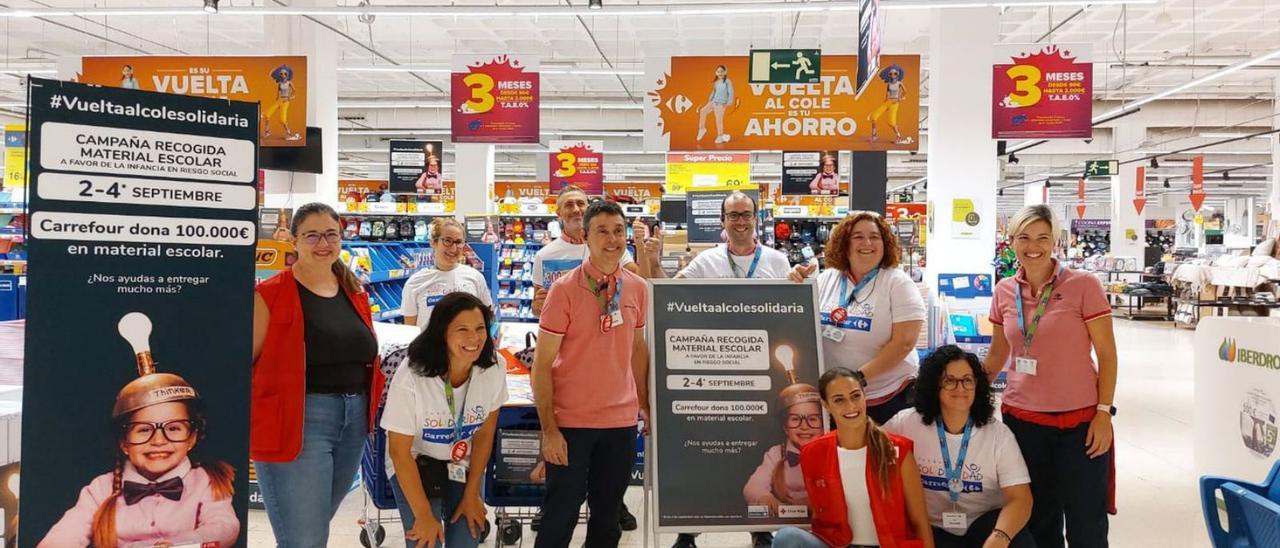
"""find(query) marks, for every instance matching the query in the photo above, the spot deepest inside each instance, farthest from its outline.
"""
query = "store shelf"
(387, 315)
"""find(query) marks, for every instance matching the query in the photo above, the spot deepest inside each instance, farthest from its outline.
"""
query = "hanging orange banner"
(1140, 190)
(1197, 182)
(279, 83)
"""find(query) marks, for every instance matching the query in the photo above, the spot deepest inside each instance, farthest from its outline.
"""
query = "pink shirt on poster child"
(591, 377)
(1066, 377)
(196, 518)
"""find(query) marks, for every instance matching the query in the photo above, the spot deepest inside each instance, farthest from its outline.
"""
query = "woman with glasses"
(871, 311)
(314, 375)
(425, 288)
(976, 485)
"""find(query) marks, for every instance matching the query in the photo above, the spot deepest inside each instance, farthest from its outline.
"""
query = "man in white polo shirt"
(569, 250)
(741, 257)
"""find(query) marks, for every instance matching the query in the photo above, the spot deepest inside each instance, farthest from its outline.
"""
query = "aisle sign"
(495, 99)
(1101, 168)
(681, 113)
(278, 82)
(1080, 207)
(577, 163)
(708, 171)
(1197, 182)
(733, 361)
(15, 156)
(785, 66)
(1042, 91)
(1140, 190)
(143, 210)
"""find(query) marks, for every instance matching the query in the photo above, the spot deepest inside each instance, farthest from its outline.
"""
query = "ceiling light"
(1166, 183)
(211, 6)
(1013, 159)
(1155, 164)
(1226, 175)
(999, 192)
(595, 4)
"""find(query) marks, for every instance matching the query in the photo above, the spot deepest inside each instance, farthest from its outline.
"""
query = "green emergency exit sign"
(1101, 168)
(785, 66)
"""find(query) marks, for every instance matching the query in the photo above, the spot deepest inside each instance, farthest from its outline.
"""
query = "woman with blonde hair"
(449, 274)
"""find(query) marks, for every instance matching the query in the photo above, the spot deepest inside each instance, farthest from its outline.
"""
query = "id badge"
(458, 473)
(1025, 365)
(955, 521)
(833, 333)
(615, 319)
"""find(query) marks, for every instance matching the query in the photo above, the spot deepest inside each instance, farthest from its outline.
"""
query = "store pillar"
(963, 168)
(297, 36)
(1273, 196)
(1128, 227)
(475, 178)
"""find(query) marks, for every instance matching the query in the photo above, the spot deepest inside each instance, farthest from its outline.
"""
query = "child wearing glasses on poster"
(826, 181)
(778, 480)
(156, 496)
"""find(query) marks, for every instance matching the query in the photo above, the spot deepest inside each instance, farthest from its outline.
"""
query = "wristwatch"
(1109, 409)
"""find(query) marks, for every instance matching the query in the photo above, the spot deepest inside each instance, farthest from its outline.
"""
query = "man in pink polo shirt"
(589, 381)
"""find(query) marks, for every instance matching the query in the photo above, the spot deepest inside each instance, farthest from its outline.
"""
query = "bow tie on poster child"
(793, 458)
(134, 492)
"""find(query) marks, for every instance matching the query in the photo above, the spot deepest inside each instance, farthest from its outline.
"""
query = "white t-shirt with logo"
(890, 298)
(559, 257)
(993, 462)
(426, 287)
(714, 264)
(416, 406)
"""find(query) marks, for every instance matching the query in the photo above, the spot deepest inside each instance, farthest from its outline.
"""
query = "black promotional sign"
(811, 172)
(736, 367)
(416, 167)
(139, 318)
(868, 42)
(704, 213)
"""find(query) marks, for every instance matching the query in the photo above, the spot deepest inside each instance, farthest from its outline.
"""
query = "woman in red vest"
(315, 377)
(863, 483)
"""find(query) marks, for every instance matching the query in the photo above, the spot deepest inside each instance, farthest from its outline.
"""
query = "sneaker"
(685, 540)
(627, 520)
(701, 133)
(761, 540)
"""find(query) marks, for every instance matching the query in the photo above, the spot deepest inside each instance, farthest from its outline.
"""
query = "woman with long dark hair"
(864, 487)
(440, 418)
(976, 485)
(314, 374)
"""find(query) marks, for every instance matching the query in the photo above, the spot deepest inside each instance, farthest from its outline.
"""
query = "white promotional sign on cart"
(1237, 392)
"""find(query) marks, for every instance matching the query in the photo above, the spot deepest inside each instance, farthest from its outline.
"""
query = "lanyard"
(954, 482)
(844, 285)
(751, 273)
(605, 306)
(448, 397)
(1029, 331)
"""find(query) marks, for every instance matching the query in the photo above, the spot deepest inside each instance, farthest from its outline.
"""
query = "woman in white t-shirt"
(426, 287)
(440, 418)
(976, 486)
(871, 311)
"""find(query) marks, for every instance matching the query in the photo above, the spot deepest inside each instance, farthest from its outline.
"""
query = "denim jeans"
(456, 535)
(795, 537)
(302, 496)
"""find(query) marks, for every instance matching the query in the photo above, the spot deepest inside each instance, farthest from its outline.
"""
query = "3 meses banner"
(278, 82)
(705, 103)
(139, 320)
(495, 99)
(736, 368)
(1042, 91)
(577, 163)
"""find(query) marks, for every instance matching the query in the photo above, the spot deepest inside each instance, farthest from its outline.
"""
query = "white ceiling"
(1139, 50)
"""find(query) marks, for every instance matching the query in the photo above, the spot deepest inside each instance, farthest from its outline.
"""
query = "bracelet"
(1003, 535)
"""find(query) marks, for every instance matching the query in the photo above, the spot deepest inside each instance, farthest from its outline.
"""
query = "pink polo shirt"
(1066, 377)
(591, 377)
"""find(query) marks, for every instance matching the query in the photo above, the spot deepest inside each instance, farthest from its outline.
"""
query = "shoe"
(627, 520)
(685, 540)
(761, 540)
(701, 133)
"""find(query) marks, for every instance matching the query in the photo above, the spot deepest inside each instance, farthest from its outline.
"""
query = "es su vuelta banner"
(705, 103)
(708, 171)
(1042, 91)
(735, 376)
(495, 99)
(577, 163)
(143, 209)
(279, 83)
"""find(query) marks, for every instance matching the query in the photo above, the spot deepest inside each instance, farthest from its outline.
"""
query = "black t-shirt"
(340, 347)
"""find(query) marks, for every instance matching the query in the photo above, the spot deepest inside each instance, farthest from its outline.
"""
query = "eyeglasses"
(450, 242)
(814, 421)
(950, 383)
(313, 238)
(739, 215)
(177, 431)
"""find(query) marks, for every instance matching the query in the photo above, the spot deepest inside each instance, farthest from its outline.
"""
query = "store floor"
(1158, 492)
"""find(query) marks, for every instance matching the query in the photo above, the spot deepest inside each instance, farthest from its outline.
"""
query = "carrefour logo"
(1230, 352)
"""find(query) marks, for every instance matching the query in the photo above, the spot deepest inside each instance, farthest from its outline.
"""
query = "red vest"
(830, 521)
(279, 374)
